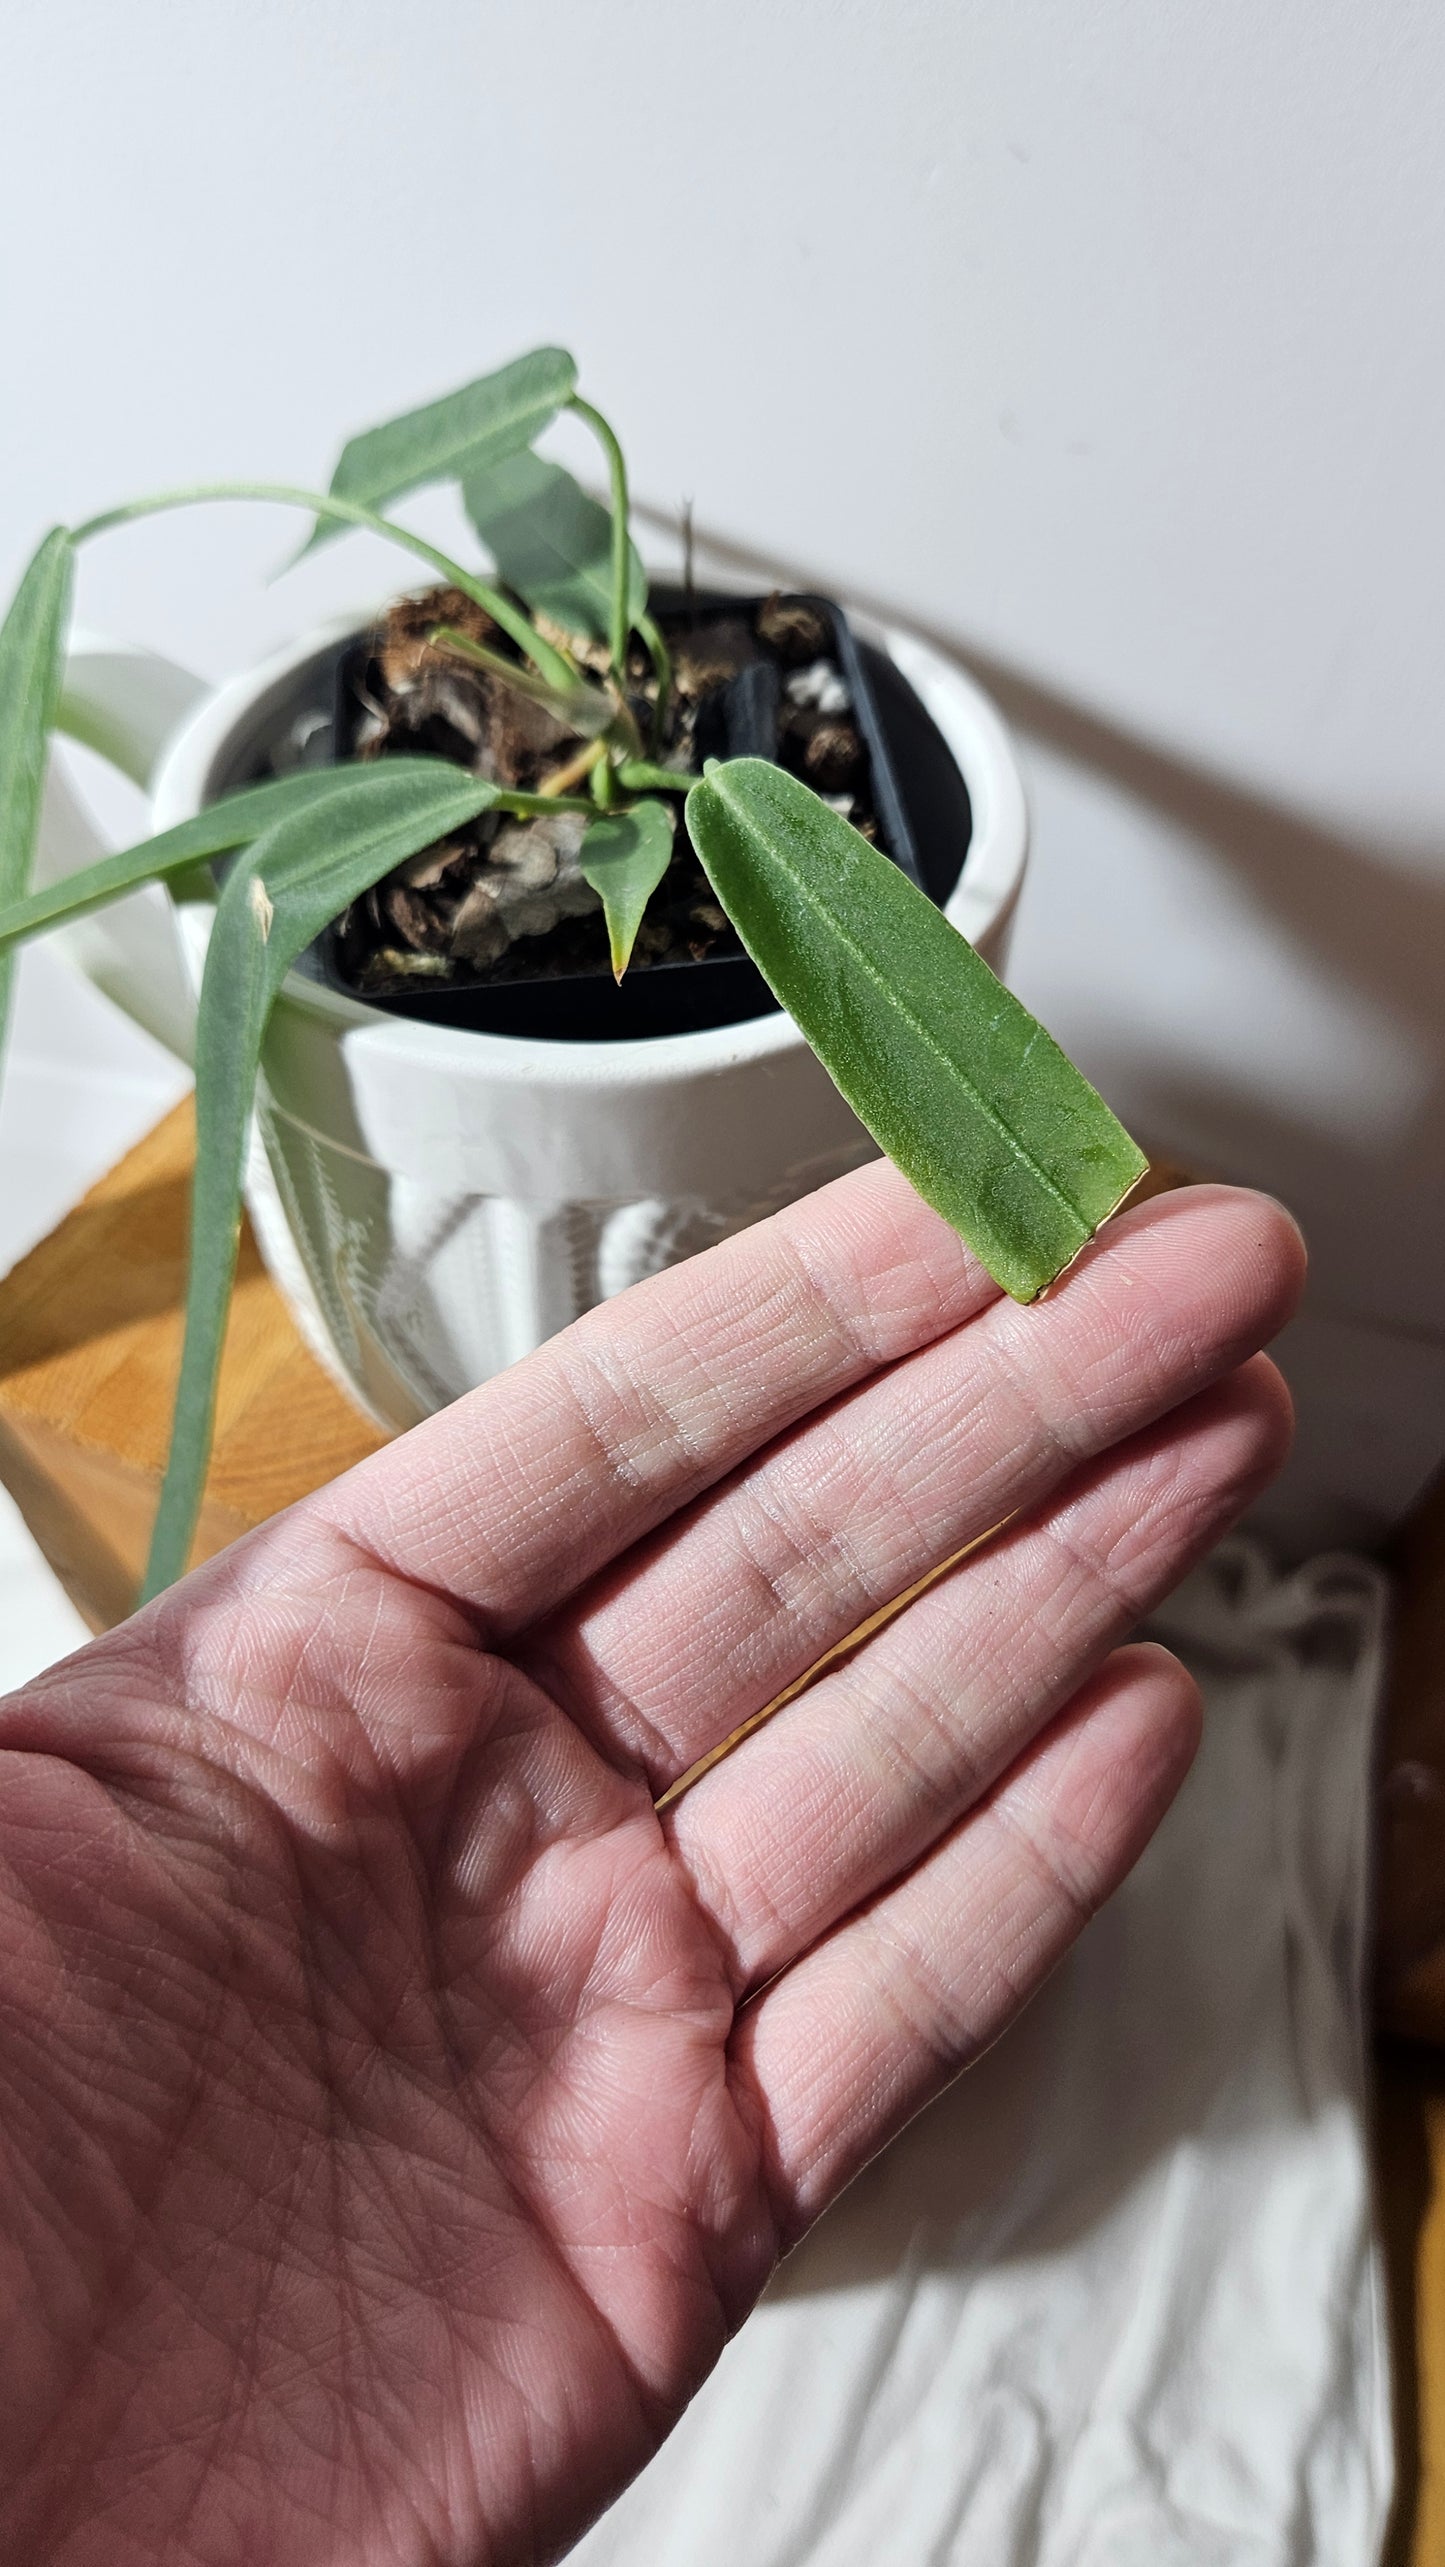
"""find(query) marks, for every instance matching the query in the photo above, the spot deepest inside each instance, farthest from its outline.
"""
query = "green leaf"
(32, 646)
(232, 1020)
(285, 889)
(318, 860)
(624, 857)
(233, 822)
(954, 1079)
(461, 433)
(551, 542)
(336, 515)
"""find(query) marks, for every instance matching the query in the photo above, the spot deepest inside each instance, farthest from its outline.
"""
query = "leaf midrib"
(923, 1031)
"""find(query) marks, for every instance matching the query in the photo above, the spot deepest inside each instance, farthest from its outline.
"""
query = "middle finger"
(702, 1625)
(881, 1758)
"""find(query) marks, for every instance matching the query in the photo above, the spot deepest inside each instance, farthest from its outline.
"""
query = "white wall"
(1105, 338)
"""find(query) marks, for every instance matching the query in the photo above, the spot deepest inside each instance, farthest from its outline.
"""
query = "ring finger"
(850, 1785)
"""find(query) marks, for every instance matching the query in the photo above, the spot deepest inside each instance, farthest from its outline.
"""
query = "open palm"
(397, 2113)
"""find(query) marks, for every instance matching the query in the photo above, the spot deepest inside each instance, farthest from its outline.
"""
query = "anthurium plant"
(954, 1079)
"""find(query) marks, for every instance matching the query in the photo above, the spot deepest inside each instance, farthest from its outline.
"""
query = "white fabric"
(38, 1622)
(1113, 2302)
(80, 1087)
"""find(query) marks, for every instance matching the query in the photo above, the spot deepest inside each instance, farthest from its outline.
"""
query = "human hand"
(396, 2114)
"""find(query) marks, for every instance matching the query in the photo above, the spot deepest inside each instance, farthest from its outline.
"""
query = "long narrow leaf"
(551, 542)
(233, 822)
(319, 860)
(951, 1075)
(230, 1024)
(291, 881)
(463, 432)
(32, 645)
(624, 857)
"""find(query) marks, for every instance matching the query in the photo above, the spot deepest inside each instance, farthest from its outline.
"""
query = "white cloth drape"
(1114, 2301)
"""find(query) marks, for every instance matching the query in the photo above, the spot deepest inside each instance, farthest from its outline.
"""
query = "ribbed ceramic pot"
(433, 1203)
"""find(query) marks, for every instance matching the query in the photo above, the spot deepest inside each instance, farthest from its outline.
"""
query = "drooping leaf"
(318, 860)
(624, 857)
(289, 883)
(461, 433)
(233, 822)
(550, 541)
(230, 1024)
(952, 1076)
(32, 647)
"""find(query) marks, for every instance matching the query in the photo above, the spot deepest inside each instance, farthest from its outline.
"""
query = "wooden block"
(1409, 2167)
(1410, 1877)
(90, 1343)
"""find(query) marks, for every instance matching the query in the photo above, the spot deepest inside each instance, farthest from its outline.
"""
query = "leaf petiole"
(573, 770)
(657, 652)
(32, 652)
(639, 775)
(621, 561)
(538, 806)
(584, 708)
(548, 662)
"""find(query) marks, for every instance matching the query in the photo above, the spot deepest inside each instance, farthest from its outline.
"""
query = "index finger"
(513, 1497)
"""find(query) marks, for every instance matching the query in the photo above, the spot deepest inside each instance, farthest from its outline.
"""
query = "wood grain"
(90, 1343)
(1410, 1910)
(1409, 2165)
(1410, 2006)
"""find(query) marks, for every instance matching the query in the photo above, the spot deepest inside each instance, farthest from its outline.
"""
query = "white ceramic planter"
(435, 1203)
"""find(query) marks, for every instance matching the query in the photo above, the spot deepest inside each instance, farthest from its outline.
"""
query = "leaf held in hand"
(463, 432)
(952, 1076)
(551, 542)
(289, 884)
(624, 857)
(32, 646)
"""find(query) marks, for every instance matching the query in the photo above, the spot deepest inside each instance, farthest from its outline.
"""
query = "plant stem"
(688, 588)
(584, 708)
(549, 663)
(572, 770)
(538, 806)
(638, 775)
(621, 623)
(657, 652)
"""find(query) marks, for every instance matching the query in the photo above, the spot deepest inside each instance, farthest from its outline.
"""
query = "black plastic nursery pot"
(918, 797)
